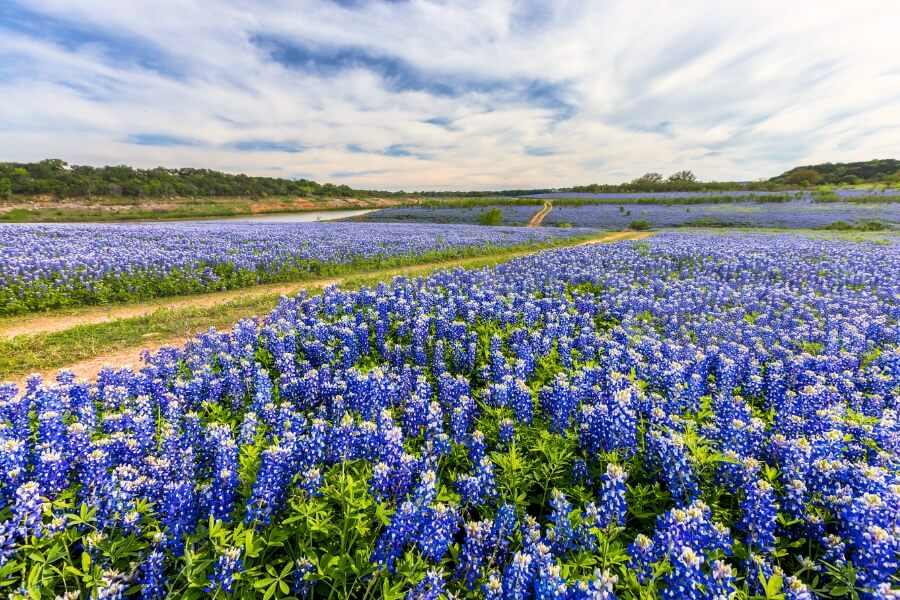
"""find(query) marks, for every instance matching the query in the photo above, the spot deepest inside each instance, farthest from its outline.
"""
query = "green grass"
(45, 351)
(28, 353)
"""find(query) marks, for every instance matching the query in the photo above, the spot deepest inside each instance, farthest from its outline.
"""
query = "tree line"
(871, 171)
(56, 178)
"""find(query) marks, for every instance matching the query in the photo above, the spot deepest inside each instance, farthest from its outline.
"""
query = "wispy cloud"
(419, 94)
(160, 139)
(346, 174)
(266, 146)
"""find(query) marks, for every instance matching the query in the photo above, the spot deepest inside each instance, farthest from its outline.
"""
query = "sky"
(455, 94)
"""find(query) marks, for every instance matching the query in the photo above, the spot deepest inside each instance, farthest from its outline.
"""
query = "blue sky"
(414, 94)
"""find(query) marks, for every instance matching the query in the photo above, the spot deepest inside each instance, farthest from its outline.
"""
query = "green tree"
(5, 188)
(682, 177)
(651, 178)
(807, 176)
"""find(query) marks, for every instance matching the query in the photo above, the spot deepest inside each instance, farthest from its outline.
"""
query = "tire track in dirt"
(538, 218)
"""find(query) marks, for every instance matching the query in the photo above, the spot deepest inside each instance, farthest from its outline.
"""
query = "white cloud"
(534, 93)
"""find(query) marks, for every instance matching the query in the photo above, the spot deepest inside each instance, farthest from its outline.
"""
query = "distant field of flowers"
(846, 193)
(792, 214)
(801, 214)
(690, 416)
(512, 214)
(50, 266)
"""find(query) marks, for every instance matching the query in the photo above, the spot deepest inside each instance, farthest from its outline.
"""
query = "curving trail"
(33, 324)
(125, 357)
(538, 218)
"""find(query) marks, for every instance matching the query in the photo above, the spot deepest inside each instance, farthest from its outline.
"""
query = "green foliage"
(493, 216)
(56, 178)
(872, 171)
(804, 176)
(686, 177)
(858, 226)
(640, 225)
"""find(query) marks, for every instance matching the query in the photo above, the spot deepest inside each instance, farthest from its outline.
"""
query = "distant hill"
(870, 171)
(54, 177)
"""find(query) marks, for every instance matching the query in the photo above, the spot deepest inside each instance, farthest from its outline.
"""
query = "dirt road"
(538, 218)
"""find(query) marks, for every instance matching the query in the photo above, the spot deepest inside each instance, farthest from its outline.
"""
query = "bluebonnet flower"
(13, 461)
(559, 401)
(794, 589)
(561, 534)
(153, 575)
(580, 472)
(224, 485)
(474, 552)
(760, 513)
(461, 418)
(502, 530)
(686, 576)
(477, 447)
(878, 558)
(403, 526)
(478, 488)
(431, 587)
(599, 588)
(518, 577)
(613, 508)
(312, 481)
(179, 512)
(271, 487)
(301, 584)
(8, 535)
(668, 456)
(406, 523)
(50, 472)
(28, 509)
(113, 586)
(548, 581)
(439, 526)
(226, 568)
(642, 554)
(506, 432)
(521, 402)
(492, 588)
(720, 581)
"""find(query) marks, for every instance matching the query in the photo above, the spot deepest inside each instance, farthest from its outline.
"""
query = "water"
(299, 217)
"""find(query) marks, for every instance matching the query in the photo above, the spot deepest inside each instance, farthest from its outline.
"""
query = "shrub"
(491, 217)
(640, 225)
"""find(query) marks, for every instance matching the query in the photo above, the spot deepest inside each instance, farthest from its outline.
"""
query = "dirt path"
(538, 218)
(618, 236)
(130, 357)
(59, 320)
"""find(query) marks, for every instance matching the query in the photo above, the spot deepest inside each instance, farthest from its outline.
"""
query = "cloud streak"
(420, 94)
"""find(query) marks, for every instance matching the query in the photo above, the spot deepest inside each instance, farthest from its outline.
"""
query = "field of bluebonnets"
(53, 266)
(690, 416)
(614, 211)
(800, 214)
